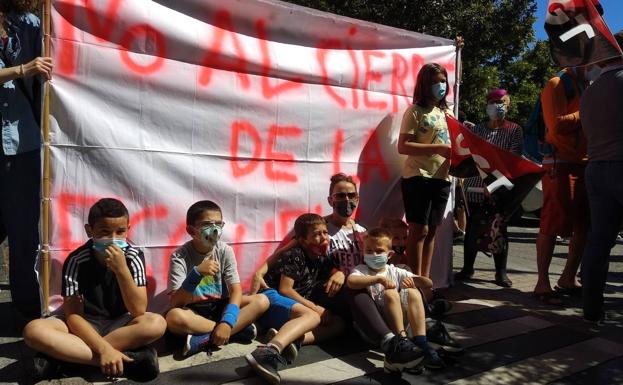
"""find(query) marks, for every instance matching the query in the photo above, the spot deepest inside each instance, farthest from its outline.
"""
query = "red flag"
(508, 177)
(577, 34)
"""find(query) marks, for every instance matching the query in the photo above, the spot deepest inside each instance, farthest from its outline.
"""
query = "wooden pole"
(457, 84)
(457, 87)
(45, 207)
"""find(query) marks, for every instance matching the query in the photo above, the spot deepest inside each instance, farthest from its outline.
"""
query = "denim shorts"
(279, 310)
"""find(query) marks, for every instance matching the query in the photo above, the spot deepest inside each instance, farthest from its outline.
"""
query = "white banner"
(251, 104)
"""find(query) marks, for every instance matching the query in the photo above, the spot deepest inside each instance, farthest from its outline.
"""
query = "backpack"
(535, 145)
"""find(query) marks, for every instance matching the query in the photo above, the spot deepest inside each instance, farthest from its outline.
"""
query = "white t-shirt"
(345, 246)
(376, 291)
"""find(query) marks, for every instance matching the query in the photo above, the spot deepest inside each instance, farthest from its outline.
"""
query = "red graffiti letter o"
(159, 42)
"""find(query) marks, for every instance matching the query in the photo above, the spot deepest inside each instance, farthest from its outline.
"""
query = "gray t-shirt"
(602, 120)
(210, 288)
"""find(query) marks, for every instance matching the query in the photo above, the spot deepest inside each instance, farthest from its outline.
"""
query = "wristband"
(230, 314)
(192, 280)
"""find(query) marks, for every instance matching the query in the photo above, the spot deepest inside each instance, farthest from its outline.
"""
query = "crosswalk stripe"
(549, 366)
(483, 334)
(470, 305)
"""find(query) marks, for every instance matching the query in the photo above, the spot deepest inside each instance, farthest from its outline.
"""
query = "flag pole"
(457, 85)
(458, 74)
(45, 207)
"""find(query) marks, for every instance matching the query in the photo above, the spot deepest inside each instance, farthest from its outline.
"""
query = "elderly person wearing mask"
(508, 136)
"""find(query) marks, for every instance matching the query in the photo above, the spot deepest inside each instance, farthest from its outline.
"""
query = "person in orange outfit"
(565, 205)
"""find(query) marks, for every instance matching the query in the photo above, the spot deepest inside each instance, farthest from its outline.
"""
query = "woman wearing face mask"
(508, 136)
(425, 180)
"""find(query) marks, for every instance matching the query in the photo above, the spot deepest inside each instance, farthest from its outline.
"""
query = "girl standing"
(425, 140)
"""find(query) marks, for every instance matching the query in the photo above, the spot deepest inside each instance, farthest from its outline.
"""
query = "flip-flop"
(570, 291)
(551, 298)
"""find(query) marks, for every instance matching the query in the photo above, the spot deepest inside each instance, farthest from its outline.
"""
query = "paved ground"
(510, 337)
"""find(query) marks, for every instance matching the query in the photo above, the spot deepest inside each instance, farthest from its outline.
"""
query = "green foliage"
(500, 50)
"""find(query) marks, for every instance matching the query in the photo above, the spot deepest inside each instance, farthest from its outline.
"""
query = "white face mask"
(496, 111)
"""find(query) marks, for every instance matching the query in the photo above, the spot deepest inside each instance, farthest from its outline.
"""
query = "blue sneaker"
(195, 344)
(246, 335)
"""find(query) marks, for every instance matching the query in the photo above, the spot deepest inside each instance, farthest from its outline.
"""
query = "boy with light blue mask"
(204, 287)
(103, 321)
(396, 293)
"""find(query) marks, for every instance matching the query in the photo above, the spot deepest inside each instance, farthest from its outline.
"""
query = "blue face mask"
(211, 234)
(375, 261)
(439, 90)
(100, 244)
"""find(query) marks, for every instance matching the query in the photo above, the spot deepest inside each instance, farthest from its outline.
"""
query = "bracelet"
(21, 70)
(230, 314)
(192, 280)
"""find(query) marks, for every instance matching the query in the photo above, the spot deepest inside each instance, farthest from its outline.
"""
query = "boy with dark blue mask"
(103, 321)
(204, 287)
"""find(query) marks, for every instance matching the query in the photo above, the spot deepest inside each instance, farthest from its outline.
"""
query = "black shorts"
(212, 310)
(425, 199)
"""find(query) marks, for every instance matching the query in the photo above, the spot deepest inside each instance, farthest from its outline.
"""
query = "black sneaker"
(246, 335)
(43, 367)
(463, 275)
(439, 338)
(438, 307)
(432, 360)
(401, 354)
(501, 279)
(291, 351)
(267, 363)
(145, 365)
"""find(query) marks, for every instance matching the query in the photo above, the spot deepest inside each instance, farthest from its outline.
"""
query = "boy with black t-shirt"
(301, 274)
(103, 321)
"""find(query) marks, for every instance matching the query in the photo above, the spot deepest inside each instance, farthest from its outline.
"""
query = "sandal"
(551, 298)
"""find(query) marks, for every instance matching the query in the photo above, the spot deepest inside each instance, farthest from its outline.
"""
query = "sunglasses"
(220, 224)
(340, 196)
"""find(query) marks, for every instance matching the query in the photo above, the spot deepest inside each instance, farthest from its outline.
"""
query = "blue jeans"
(604, 185)
(20, 186)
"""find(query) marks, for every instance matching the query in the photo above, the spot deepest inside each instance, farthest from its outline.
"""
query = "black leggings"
(367, 316)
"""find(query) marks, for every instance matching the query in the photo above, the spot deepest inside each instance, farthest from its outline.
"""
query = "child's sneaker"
(401, 354)
(145, 365)
(432, 359)
(43, 367)
(267, 363)
(289, 352)
(246, 335)
(439, 338)
(195, 344)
